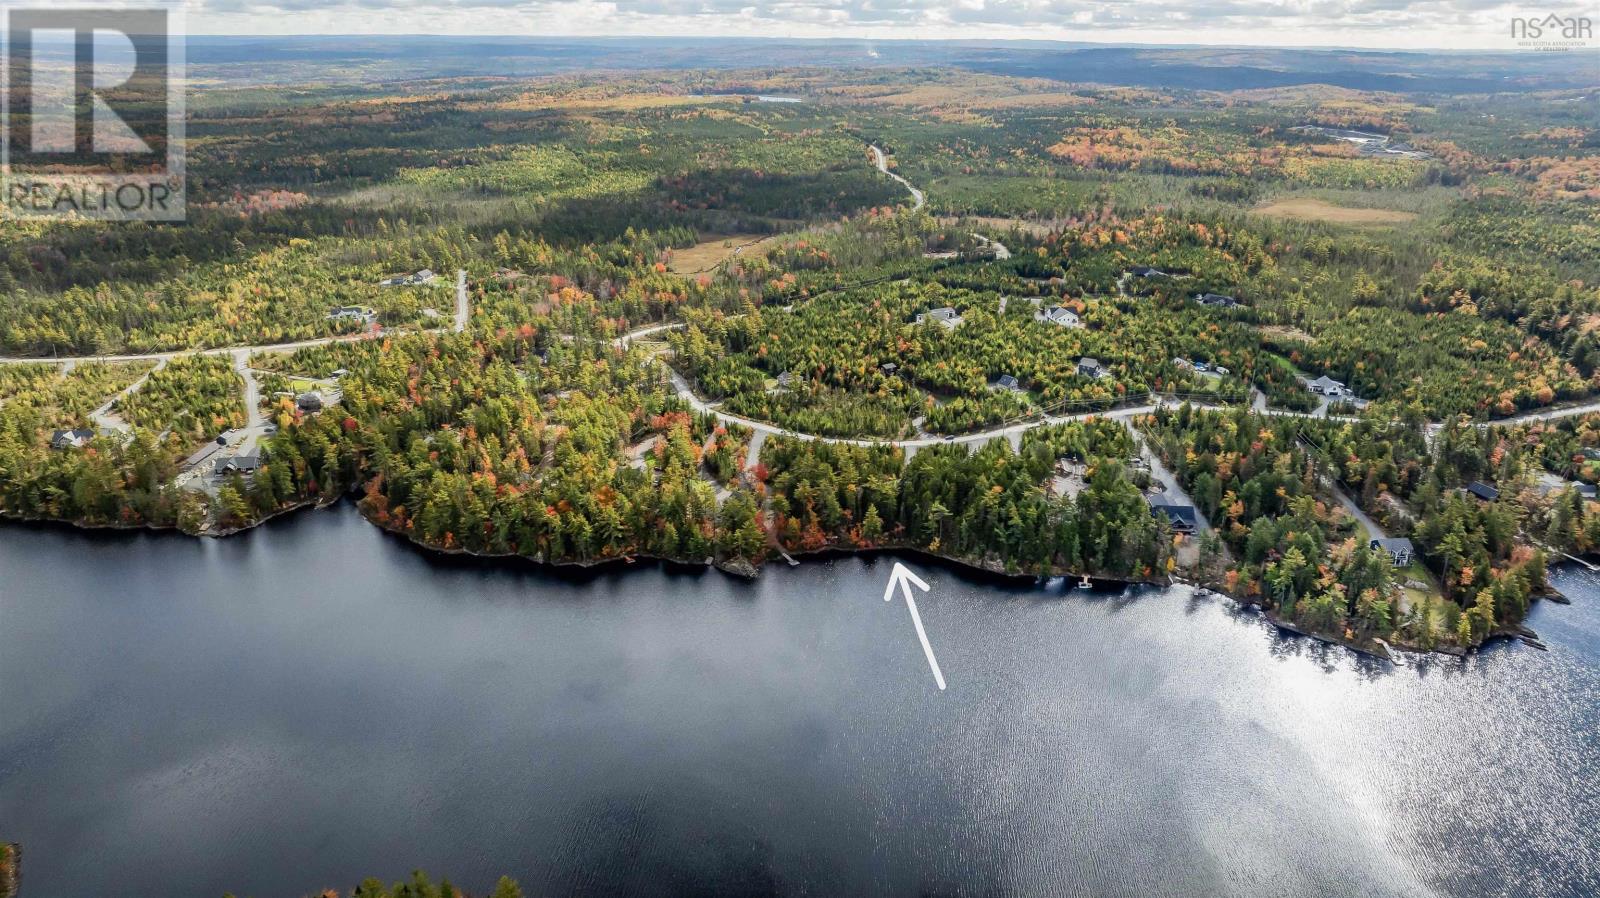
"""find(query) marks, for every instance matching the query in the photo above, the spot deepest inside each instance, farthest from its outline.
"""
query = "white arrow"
(901, 576)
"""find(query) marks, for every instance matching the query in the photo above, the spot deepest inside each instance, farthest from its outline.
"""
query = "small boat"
(1084, 583)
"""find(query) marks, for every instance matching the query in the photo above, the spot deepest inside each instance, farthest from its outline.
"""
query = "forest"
(829, 374)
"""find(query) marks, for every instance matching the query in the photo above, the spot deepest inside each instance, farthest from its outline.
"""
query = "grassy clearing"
(1301, 208)
(714, 250)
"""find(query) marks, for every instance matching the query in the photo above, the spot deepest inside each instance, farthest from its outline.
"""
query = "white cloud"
(1405, 24)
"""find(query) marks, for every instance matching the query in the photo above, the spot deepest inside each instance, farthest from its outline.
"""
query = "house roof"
(244, 461)
(1483, 491)
(1393, 545)
(1179, 516)
(1006, 380)
(1325, 383)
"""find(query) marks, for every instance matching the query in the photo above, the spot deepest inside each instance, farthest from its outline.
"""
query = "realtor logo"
(92, 114)
(1552, 32)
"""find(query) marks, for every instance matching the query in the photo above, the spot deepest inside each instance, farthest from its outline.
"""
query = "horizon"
(1039, 43)
(1372, 25)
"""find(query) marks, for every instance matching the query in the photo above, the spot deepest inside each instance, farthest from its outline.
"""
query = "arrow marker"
(901, 576)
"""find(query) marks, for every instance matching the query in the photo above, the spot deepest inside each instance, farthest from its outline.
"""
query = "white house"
(1059, 315)
(946, 316)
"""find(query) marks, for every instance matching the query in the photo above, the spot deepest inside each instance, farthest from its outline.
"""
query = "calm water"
(315, 702)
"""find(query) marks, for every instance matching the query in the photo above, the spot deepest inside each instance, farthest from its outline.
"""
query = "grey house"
(70, 439)
(244, 463)
(1400, 551)
(1327, 386)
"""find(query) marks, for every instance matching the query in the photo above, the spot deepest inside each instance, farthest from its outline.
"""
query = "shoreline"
(1383, 650)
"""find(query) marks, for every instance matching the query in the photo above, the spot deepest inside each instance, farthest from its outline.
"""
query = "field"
(1308, 209)
(714, 250)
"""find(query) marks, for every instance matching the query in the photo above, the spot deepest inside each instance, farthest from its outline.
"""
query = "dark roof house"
(71, 439)
(1006, 382)
(1091, 367)
(1399, 550)
(1483, 491)
(1216, 299)
(1182, 518)
(309, 402)
(243, 463)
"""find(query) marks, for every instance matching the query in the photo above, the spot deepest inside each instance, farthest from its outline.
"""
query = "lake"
(315, 702)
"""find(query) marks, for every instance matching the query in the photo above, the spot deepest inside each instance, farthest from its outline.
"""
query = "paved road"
(882, 162)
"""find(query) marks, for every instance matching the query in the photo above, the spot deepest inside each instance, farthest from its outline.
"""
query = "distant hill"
(277, 60)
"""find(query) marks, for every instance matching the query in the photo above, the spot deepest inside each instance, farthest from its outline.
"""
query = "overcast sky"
(1406, 24)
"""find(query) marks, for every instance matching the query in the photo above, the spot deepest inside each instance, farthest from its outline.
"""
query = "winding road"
(1012, 432)
(882, 162)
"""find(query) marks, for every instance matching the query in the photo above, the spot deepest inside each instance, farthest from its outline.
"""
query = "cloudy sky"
(1407, 24)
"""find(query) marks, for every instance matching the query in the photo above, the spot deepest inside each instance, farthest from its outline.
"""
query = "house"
(1483, 491)
(945, 316)
(785, 379)
(1181, 518)
(1551, 486)
(409, 280)
(1182, 363)
(1215, 299)
(1400, 551)
(309, 402)
(353, 313)
(1327, 386)
(339, 373)
(1006, 382)
(70, 439)
(1144, 271)
(1059, 315)
(243, 463)
(888, 369)
(1088, 367)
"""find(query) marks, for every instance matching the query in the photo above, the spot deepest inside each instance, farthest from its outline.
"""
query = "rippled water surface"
(315, 702)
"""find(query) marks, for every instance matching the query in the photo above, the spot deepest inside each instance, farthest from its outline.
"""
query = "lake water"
(315, 702)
